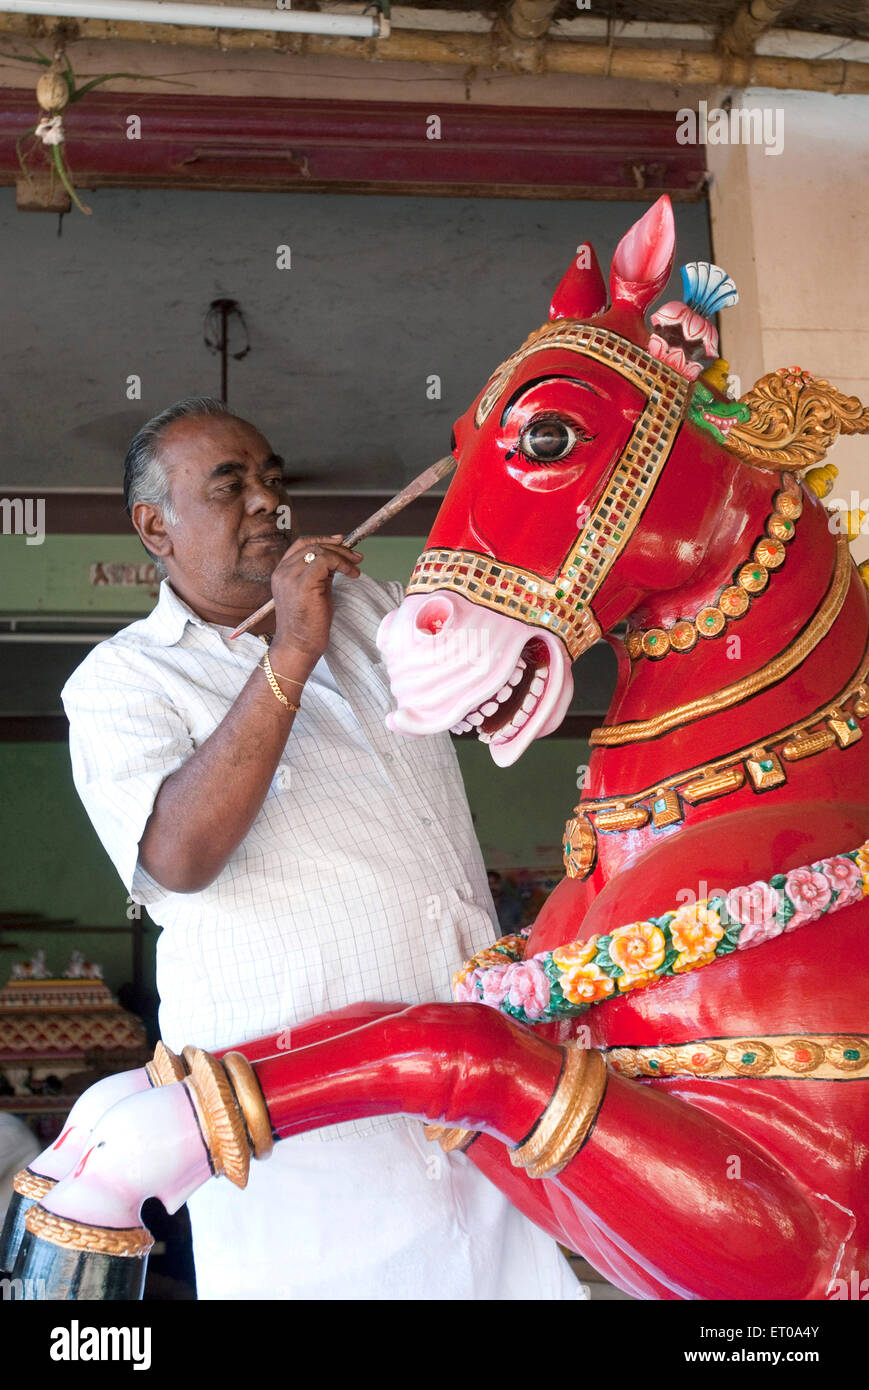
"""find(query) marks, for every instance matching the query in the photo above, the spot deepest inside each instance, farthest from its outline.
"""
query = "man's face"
(227, 488)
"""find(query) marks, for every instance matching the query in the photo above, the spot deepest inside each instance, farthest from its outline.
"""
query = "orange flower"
(695, 932)
(639, 949)
(683, 963)
(575, 953)
(489, 957)
(516, 945)
(863, 865)
(585, 984)
(627, 982)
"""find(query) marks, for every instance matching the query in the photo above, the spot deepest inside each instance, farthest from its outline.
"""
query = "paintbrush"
(391, 508)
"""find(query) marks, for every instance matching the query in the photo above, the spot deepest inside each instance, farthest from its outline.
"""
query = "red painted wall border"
(261, 143)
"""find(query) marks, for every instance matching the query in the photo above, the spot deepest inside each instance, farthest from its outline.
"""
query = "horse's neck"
(777, 618)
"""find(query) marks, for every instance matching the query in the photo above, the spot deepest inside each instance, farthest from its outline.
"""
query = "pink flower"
(843, 875)
(809, 892)
(496, 983)
(529, 988)
(847, 896)
(752, 935)
(465, 991)
(756, 906)
(800, 919)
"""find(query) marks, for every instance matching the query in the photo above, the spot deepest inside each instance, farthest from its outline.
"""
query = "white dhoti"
(384, 1216)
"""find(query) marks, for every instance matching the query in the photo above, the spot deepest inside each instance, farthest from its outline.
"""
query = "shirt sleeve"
(125, 738)
(395, 589)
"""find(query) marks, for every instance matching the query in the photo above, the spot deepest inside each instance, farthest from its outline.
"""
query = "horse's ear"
(582, 292)
(644, 257)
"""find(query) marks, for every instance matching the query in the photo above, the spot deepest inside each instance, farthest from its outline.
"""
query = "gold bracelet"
(288, 679)
(270, 677)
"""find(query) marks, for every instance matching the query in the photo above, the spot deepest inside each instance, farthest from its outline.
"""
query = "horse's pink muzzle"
(454, 664)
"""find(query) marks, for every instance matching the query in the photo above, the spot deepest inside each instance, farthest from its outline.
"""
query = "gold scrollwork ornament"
(795, 419)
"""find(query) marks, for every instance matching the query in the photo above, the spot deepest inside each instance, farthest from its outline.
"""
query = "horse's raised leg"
(626, 1150)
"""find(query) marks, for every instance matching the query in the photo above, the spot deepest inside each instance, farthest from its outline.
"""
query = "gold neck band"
(640, 730)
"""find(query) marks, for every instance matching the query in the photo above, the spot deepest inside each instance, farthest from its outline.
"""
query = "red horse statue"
(670, 1071)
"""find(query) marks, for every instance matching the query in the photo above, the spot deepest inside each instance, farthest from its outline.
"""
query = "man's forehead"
(199, 442)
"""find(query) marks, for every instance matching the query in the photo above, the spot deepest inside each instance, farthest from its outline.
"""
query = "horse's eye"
(547, 440)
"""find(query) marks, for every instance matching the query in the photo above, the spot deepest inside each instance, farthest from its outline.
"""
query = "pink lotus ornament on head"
(686, 338)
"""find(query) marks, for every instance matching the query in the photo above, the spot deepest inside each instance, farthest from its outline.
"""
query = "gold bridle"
(563, 605)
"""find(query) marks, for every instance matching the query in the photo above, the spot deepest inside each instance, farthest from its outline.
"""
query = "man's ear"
(151, 529)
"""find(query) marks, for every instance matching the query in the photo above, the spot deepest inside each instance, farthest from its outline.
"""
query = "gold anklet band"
(133, 1242)
(248, 1093)
(165, 1067)
(28, 1184)
(231, 1110)
(565, 1123)
(451, 1140)
(220, 1117)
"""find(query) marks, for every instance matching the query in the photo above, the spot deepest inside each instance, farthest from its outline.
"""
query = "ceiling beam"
(739, 37)
(665, 64)
(529, 19)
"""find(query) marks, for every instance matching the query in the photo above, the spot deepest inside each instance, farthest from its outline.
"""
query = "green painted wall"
(52, 862)
(55, 577)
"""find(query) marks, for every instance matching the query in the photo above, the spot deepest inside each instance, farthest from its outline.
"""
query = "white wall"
(791, 229)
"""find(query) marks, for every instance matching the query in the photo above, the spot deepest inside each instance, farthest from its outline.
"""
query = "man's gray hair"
(145, 477)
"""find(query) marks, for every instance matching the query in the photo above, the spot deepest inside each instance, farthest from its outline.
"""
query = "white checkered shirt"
(360, 878)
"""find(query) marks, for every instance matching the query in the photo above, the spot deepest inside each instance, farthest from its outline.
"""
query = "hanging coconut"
(52, 92)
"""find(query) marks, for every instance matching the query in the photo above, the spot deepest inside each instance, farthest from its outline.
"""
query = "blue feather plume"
(707, 288)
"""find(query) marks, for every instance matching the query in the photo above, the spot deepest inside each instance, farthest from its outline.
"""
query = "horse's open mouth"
(499, 719)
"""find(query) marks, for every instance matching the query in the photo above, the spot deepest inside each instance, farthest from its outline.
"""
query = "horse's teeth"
(515, 678)
(529, 702)
(490, 707)
(504, 694)
(475, 718)
(536, 686)
(519, 718)
(484, 738)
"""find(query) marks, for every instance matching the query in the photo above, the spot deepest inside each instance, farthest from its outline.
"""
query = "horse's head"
(538, 547)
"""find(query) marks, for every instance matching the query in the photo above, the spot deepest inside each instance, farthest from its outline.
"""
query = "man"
(298, 856)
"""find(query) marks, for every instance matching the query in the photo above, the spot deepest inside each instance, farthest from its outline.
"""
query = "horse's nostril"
(434, 616)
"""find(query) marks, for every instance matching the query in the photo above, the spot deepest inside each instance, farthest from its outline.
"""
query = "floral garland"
(567, 981)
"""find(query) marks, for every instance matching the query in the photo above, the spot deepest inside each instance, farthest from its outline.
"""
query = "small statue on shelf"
(81, 969)
(33, 969)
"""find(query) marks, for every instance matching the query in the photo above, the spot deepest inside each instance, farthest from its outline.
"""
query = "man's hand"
(303, 601)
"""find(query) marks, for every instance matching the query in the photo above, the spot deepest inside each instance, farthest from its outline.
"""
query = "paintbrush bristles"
(416, 488)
